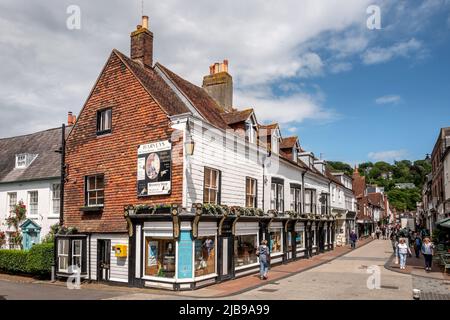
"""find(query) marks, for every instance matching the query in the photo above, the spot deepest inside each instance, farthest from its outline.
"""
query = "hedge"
(37, 261)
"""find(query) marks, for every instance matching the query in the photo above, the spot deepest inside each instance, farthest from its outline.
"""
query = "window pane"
(160, 258)
(205, 257)
(245, 250)
(100, 182)
(91, 183)
(214, 179)
(76, 247)
(207, 177)
(275, 241)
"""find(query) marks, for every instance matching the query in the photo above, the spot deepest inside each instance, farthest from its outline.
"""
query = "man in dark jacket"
(353, 239)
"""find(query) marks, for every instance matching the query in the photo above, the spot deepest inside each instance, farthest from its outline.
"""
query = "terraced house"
(169, 185)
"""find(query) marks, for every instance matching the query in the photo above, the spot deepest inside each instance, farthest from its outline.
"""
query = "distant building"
(30, 173)
(405, 185)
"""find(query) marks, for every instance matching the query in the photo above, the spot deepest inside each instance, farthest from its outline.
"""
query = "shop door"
(321, 239)
(103, 259)
(225, 258)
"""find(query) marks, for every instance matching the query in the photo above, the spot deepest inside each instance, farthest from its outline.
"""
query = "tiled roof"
(375, 199)
(155, 86)
(201, 100)
(268, 128)
(237, 116)
(289, 142)
(43, 143)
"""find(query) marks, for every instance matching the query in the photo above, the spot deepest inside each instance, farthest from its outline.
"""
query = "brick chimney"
(219, 85)
(142, 44)
(71, 119)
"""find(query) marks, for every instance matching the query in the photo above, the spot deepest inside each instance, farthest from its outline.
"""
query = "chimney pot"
(145, 22)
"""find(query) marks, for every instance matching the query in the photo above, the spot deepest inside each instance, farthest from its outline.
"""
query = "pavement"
(342, 274)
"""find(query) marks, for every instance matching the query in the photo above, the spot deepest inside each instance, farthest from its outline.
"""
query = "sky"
(349, 92)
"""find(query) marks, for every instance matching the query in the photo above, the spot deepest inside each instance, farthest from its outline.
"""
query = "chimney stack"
(219, 85)
(142, 44)
(71, 119)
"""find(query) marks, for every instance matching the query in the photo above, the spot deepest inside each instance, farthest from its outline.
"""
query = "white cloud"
(294, 108)
(401, 49)
(388, 156)
(389, 99)
(340, 67)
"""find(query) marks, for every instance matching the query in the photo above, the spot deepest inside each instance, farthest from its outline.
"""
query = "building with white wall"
(30, 174)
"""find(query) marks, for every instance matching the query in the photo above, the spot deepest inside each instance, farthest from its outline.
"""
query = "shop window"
(276, 241)
(245, 247)
(95, 191)
(250, 193)
(104, 121)
(63, 255)
(300, 239)
(211, 190)
(289, 241)
(205, 256)
(313, 233)
(160, 257)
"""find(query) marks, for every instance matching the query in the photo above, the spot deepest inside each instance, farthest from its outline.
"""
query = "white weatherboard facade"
(45, 216)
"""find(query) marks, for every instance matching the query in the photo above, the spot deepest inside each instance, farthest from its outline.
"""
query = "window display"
(300, 239)
(160, 257)
(275, 241)
(205, 256)
(289, 241)
(245, 247)
(313, 233)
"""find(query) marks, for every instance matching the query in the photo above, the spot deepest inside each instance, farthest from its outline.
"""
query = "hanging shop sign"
(154, 169)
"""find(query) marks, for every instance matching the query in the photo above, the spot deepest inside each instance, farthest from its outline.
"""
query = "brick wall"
(136, 120)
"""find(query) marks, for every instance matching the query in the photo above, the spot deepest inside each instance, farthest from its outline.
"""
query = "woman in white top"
(403, 250)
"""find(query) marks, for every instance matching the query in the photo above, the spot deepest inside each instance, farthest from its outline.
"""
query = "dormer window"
(250, 131)
(275, 143)
(24, 160)
(294, 154)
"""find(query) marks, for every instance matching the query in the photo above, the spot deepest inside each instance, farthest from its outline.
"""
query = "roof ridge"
(30, 134)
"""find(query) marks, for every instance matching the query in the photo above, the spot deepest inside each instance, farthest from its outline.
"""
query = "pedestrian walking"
(383, 232)
(403, 251)
(263, 253)
(427, 251)
(377, 232)
(353, 239)
(417, 246)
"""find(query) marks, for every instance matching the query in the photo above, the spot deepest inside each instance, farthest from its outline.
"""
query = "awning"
(444, 223)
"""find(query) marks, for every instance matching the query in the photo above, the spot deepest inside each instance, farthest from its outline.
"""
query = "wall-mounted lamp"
(189, 144)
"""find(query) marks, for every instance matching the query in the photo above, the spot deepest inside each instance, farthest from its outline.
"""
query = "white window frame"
(21, 161)
(10, 205)
(80, 255)
(61, 254)
(252, 193)
(31, 210)
(105, 120)
(57, 199)
(96, 190)
(211, 187)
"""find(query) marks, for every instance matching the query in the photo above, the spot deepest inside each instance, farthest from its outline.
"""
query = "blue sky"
(349, 93)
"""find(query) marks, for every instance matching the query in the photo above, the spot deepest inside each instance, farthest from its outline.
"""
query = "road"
(345, 278)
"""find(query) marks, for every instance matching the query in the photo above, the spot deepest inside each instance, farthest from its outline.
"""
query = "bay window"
(63, 255)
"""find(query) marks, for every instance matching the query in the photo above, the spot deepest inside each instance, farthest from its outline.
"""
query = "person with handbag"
(263, 253)
(427, 251)
(403, 251)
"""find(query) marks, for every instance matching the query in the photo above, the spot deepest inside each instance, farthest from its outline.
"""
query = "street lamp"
(189, 144)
